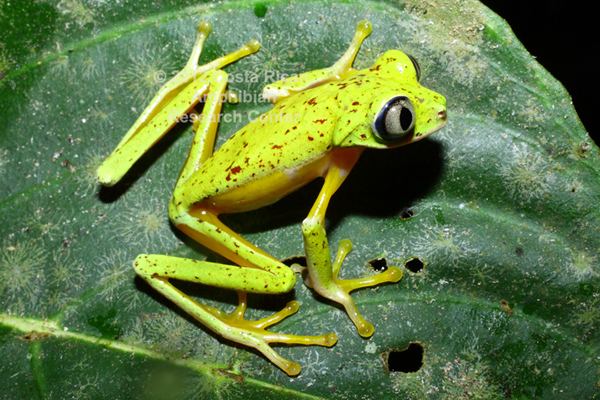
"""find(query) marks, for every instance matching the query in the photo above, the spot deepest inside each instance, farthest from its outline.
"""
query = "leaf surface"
(501, 207)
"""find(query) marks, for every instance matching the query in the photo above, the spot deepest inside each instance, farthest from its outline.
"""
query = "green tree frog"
(319, 125)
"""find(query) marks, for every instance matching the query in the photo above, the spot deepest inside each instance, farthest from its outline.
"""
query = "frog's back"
(294, 135)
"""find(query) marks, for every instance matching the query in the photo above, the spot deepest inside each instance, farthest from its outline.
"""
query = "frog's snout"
(442, 115)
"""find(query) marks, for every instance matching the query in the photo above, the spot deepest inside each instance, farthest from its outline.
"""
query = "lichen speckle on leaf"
(532, 113)
(61, 67)
(148, 68)
(412, 385)
(45, 222)
(582, 265)
(115, 273)
(103, 118)
(86, 178)
(467, 380)
(21, 277)
(66, 278)
(274, 58)
(455, 38)
(77, 11)
(441, 243)
(168, 332)
(92, 66)
(527, 175)
(145, 226)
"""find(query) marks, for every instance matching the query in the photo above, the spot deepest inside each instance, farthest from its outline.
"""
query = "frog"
(320, 123)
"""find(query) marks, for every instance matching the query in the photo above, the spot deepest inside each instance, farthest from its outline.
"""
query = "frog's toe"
(390, 275)
(325, 340)
(290, 308)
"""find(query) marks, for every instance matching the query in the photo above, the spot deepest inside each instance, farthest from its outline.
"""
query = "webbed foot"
(338, 290)
(254, 333)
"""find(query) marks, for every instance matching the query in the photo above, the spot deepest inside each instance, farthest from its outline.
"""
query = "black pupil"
(405, 118)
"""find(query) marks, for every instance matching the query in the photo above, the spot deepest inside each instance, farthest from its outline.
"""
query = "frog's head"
(401, 111)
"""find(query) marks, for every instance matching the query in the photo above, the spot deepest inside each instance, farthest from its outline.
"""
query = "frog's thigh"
(256, 271)
(297, 83)
(226, 276)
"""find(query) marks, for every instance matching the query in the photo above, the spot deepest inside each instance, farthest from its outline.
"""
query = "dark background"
(563, 36)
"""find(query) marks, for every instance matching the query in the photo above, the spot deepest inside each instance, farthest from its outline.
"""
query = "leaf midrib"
(51, 329)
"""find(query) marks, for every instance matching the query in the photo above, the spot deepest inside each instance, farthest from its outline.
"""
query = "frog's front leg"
(297, 83)
(322, 273)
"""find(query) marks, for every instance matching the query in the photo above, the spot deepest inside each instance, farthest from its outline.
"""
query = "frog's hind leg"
(297, 83)
(158, 269)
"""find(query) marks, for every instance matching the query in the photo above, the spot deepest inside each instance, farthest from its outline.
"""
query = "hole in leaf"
(407, 213)
(260, 10)
(294, 260)
(519, 251)
(409, 359)
(414, 265)
(379, 264)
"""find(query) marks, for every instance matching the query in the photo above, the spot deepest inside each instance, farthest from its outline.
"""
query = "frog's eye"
(416, 65)
(395, 119)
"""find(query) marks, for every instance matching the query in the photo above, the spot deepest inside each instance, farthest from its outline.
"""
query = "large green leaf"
(501, 206)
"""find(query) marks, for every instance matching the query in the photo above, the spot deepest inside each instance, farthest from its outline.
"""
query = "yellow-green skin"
(303, 128)
(318, 127)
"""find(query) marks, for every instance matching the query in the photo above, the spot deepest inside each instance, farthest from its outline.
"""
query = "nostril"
(442, 114)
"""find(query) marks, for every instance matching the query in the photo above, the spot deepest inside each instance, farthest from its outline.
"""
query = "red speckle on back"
(312, 101)
(319, 121)
(311, 138)
(236, 169)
